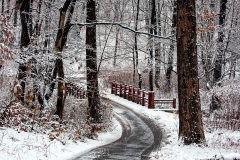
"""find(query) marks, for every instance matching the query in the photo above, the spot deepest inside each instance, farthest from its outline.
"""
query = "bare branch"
(125, 27)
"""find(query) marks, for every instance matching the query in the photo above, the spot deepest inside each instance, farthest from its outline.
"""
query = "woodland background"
(134, 39)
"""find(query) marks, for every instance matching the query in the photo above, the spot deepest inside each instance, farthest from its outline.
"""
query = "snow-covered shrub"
(224, 139)
(76, 114)
(6, 39)
(228, 116)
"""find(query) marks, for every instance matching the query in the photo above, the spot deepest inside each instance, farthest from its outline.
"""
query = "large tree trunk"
(91, 65)
(190, 116)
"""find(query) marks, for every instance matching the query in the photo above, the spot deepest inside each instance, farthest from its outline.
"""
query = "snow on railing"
(139, 96)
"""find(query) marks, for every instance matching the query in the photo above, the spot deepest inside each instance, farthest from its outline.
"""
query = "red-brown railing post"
(137, 95)
(120, 91)
(124, 92)
(115, 88)
(143, 97)
(112, 87)
(150, 99)
(129, 92)
(133, 92)
(174, 102)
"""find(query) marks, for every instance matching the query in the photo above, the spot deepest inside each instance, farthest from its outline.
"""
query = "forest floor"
(20, 145)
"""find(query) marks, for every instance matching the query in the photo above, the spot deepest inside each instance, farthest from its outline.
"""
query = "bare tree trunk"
(2, 6)
(233, 55)
(116, 47)
(152, 31)
(170, 56)
(25, 41)
(62, 34)
(158, 50)
(15, 15)
(136, 48)
(8, 9)
(47, 24)
(30, 22)
(117, 18)
(217, 72)
(190, 116)
(91, 65)
(63, 30)
(34, 73)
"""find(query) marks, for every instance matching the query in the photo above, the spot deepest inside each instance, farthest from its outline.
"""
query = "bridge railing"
(139, 96)
(76, 91)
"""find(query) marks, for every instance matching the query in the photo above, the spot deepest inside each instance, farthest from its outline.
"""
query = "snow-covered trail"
(139, 137)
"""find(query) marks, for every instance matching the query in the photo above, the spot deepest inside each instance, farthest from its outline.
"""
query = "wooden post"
(115, 88)
(143, 97)
(174, 102)
(112, 87)
(133, 93)
(129, 92)
(137, 95)
(120, 91)
(124, 92)
(150, 99)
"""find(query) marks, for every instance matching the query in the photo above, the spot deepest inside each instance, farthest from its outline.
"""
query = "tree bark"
(217, 73)
(15, 15)
(116, 47)
(91, 65)
(158, 49)
(63, 30)
(170, 56)
(190, 116)
(136, 48)
(25, 41)
(2, 6)
(117, 18)
(152, 31)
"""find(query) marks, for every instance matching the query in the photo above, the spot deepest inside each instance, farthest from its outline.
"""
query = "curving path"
(140, 136)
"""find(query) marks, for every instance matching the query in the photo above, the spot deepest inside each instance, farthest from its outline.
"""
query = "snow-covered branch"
(170, 37)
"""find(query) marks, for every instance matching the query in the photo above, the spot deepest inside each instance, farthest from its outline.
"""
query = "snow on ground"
(23, 146)
(173, 149)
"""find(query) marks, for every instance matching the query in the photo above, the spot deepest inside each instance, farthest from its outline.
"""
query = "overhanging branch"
(124, 27)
